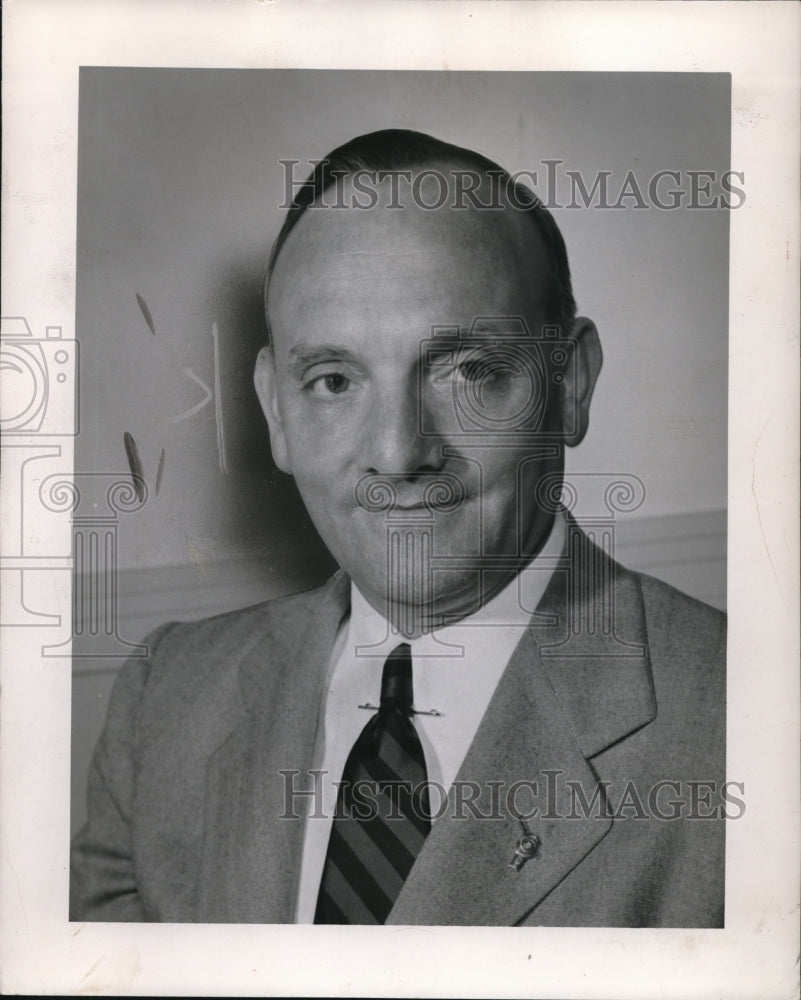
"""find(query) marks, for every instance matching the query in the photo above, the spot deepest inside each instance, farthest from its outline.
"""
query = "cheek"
(322, 469)
(510, 487)
(323, 435)
(314, 447)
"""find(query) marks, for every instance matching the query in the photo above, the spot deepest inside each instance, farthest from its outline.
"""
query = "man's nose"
(396, 442)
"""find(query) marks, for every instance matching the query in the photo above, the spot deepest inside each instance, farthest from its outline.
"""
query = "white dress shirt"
(455, 671)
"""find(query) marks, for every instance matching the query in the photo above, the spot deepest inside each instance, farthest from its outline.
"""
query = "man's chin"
(419, 605)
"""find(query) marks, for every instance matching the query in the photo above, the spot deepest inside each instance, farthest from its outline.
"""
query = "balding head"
(398, 264)
(395, 169)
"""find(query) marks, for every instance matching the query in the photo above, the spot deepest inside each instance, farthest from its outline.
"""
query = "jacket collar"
(590, 633)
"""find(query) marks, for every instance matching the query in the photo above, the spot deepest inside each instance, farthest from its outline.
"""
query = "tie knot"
(396, 681)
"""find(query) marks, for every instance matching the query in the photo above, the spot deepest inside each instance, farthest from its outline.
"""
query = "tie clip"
(414, 711)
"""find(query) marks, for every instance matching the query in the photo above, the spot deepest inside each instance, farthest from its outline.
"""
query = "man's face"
(353, 398)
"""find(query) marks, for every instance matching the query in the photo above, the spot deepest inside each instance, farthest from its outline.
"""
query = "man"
(481, 719)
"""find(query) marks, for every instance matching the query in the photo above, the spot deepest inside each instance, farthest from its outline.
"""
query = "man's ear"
(580, 379)
(264, 378)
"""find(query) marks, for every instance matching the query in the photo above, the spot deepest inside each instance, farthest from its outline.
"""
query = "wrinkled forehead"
(386, 239)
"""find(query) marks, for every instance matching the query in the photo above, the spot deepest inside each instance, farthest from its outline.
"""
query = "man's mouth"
(439, 491)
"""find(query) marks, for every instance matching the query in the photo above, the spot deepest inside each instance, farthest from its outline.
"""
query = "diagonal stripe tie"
(382, 815)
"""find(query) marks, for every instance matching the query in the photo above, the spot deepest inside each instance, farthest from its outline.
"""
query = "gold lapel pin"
(527, 848)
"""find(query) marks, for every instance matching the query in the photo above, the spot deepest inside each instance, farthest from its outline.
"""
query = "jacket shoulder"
(213, 648)
(687, 648)
(677, 619)
(277, 618)
(185, 699)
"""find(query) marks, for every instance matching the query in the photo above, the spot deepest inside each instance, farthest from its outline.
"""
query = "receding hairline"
(394, 150)
(493, 237)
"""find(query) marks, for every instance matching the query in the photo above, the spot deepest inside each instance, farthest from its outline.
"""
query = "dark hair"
(402, 149)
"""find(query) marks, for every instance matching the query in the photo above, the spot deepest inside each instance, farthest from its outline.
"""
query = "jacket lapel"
(569, 691)
(253, 828)
(463, 874)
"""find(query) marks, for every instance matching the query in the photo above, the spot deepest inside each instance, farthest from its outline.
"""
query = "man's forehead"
(338, 240)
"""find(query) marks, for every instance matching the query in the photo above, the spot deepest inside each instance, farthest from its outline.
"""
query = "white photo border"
(45, 44)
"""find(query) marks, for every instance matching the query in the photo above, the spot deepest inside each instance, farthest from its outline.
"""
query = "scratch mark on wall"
(208, 395)
(135, 465)
(218, 413)
(160, 472)
(146, 314)
(198, 406)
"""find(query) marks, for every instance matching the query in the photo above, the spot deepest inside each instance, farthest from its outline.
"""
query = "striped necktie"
(382, 816)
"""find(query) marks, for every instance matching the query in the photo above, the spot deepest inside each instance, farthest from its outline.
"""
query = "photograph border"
(755, 955)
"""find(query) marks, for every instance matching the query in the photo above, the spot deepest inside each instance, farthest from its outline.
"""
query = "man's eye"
(474, 370)
(486, 371)
(332, 384)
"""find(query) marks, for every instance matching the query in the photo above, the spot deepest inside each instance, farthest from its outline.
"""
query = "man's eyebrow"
(303, 355)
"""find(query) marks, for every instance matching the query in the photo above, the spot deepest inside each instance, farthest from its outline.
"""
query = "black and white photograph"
(403, 548)
(381, 429)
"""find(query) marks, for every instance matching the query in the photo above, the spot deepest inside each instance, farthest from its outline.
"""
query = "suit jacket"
(605, 733)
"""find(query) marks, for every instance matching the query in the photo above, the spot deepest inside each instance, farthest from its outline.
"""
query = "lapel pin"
(527, 848)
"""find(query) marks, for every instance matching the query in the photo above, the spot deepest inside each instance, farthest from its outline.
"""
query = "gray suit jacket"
(616, 689)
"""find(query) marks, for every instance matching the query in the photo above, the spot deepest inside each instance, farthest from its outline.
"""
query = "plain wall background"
(178, 194)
